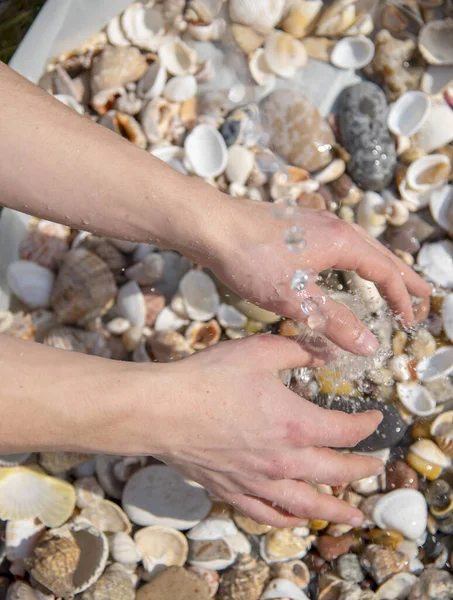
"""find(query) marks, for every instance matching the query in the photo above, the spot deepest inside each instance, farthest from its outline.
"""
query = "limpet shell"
(158, 490)
(442, 432)
(262, 17)
(200, 295)
(408, 114)
(352, 53)
(439, 364)
(206, 151)
(124, 549)
(31, 283)
(416, 399)
(281, 545)
(161, 547)
(27, 493)
(284, 54)
(283, 588)
(106, 516)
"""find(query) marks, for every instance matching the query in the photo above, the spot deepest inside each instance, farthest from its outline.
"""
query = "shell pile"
(95, 527)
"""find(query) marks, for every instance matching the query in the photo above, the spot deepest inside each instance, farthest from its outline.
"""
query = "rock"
(433, 584)
(244, 581)
(330, 547)
(391, 430)
(296, 130)
(363, 130)
(175, 583)
(115, 583)
(349, 569)
(400, 475)
(382, 562)
(155, 303)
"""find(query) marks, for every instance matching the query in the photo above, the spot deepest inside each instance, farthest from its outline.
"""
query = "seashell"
(178, 58)
(189, 113)
(442, 432)
(299, 20)
(161, 547)
(349, 569)
(116, 581)
(441, 207)
(283, 588)
(84, 288)
(352, 53)
(156, 491)
(118, 325)
(371, 214)
(212, 554)
(240, 164)
(181, 89)
(397, 213)
(260, 70)
(70, 102)
(435, 42)
(93, 343)
(126, 126)
(202, 11)
(201, 335)
(182, 583)
(293, 570)
(46, 244)
(332, 172)
(168, 346)
(156, 118)
(263, 17)
(281, 545)
(437, 130)
(210, 577)
(428, 172)
(30, 282)
(336, 19)
(228, 316)
(241, 126)
(246, 38)
(168, 320)
(106, 475)
(130, 304)
(439, 364)
(319, 48)
(114, 67)
(59, 463)
(88, 491)
(382, 562)
(208, 33)
(409, 113)
(206, 151)
(200, 295)
(212, 528)
(366, 486)
(416, 399)
(19, 590)
(152, 84)
(144, 26)
(123, 549)
(113, 258)
(397, 587)
(422, 344)
(205, 71)
(436, 262)
(21, 537)
(127, 466)
(129, 104)
(427, 459)
(436, 79)
(284, 54)
(115, 33)
(106, 516)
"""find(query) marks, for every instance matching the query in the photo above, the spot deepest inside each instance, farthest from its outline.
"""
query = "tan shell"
(301, 17)
(107, 516)
(337, 18)
(246, 38)
(58, 463)
(318, 47)
(46, 244)
(161, 546)
(284, 544)
(245, 580)
(167, 346)
(156, 119)
(383, 562)
(201, 335)
(442, 432)
(114, 583)
(115, 67)
(294, 570)
(250, 526)
(88, 491)
(84, 289)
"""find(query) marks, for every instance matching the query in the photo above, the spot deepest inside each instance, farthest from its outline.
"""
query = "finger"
(280, 352)
(263, 512)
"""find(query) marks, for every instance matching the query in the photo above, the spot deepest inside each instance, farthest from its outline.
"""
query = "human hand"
(224, 418)
(249, 255)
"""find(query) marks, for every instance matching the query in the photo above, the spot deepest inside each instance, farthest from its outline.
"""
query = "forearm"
(64, 167)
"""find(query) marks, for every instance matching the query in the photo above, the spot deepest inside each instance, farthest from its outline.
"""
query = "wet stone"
(330, 547)
(400, 475)
(349, 569)
(364, 134)
(433, 585)
(175, 583)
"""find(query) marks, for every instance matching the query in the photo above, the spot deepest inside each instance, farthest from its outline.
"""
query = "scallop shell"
(206, 151)
(201, 335)
(262, 17)
(21, 537)
(435, 42)
(416, 399)
(158, 495)
(284, 544)
(352, 53)
(200, 295)
(88, 491)
(283, 588)
(284, 54)
(301, 17)
(371, 214)
(46, 244)
(439, 364)
(161, 547)
(130, 304)
(84, 289)
(442, 432)
(144, 25)
(30, 282)
(402, 510)
(246, 38)
(106, 516)
(178, 58)
(181, 89)
(27, 493)
(436, 262)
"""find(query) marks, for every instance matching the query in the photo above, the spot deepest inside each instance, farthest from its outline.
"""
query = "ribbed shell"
(244, 581)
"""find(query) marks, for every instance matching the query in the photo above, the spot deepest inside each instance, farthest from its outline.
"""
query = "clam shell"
(212, 528)
(428, 172)
(437, 130)
(371, 215)
(284, 544)
(447, 316)
(200, 295)
(211, 554)
(84, 289)
(180, 89)
(46, 244)
(161, 547)
(435, 42)
(301, 17)
(246, 38)
(123, 549)
(442, 431)
(144, 25)
(262, 16)
(206, 151)
(201, 335)
(168, 320)
(106, 516)
(283, 588)
(240, 164)
(168, 346)
(352, 53)
(158, 495)
(409, 113)
(318, 47)
(436, 79)
(130, 304)
(429, 452)
(284, 54)
(21, 537)
(152, 84)
(439, 364)
(27, 493)
(208, 33)
(118, 326)
(260, 70)
(115, 33)
(436, 262)
(441, 207)
(397, 587)
(31, 283)
(416, 399)
(402, 510)
(178, 58)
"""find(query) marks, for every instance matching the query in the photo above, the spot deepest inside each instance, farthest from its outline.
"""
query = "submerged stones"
(364, 134)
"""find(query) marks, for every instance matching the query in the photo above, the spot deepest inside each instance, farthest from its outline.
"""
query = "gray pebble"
(349, 569)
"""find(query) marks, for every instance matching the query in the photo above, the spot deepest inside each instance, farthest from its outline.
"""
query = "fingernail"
(367, 343)
(356, 521)
(376, 413)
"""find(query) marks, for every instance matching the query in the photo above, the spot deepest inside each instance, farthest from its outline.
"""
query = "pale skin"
(222, 416)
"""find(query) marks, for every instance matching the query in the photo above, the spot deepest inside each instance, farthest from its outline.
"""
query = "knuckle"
(277, 469)
(338, 228)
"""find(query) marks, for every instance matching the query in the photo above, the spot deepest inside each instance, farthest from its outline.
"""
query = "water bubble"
(295, 239)
(286, 208)
(301, 278)
(316, 319)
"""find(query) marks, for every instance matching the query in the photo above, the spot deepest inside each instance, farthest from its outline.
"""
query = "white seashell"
(211, 554)
(206, 151)
(19, 590)
(284, 54)
(88, 491)
(239, 543)
(397, 587)
(436, 79)
(262, 16)
(428, 172)
(437, 130)
(441, 207)
(436, 262)
(416, 399)
(228, 316)
(414, 200)
(363, 25)
(168, 320)
(439, 364)
(161, 547)
(285, 544)
(435, 42)
(246, 38)
(399, 366)
(409, 113)
(332, 172)
(366, 486)
(429, 452)
(240, 164)
(123, 549)
(130, 303)
(118, 326)
(337, 19)
(447, 316)
(371, 214)
(70, 102)
(178, 58)
(148, 271)
(402, 510)
(21, 537)
(115, 33)
(208, 33)
(180, 89)
(152, 84)
(156, 491)
(106, 516)
(200, 295)
(260, 70)
(124, 246)
(352, 53)
(283, 588)
(212, 528)
(30, 282)
(144, 26)
(397, 212)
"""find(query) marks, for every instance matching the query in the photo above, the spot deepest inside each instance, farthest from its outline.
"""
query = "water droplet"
(301, 278)
(294, 238)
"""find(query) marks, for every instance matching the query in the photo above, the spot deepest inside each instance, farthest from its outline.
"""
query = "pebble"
(400, 475)
(175, 583)
(433, 585)
(382, 562)
(349, 569)
(330, 547)
(154, 303)
(363, 129)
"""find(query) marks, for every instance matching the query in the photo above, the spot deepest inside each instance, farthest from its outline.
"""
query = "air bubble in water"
(302, 278)
(295, 239)
(286, 208)
(316, 319)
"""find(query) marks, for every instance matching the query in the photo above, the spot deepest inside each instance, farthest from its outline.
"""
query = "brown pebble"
(400, 475)
(312, 200)
(330, 547)
(175, 583)
(155, 304)
(316, 563)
